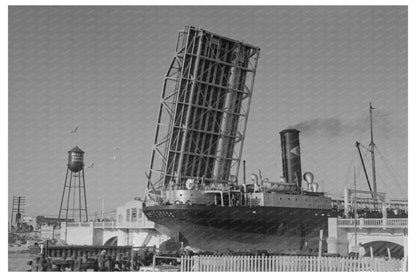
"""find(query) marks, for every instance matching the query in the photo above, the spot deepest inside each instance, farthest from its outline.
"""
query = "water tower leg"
(63, 194)
(79, 197)
(85, 195)
(69, 194)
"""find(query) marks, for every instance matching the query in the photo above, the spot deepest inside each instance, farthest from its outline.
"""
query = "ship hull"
(216, 228)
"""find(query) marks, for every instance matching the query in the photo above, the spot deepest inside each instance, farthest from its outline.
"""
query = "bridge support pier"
(337, 242)
(345, 234)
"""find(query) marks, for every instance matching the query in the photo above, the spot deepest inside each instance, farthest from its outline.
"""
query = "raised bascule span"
(203, 111)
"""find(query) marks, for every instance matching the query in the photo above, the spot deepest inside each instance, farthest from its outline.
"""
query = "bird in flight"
(91, 165)
(75, 130)
(115, 156)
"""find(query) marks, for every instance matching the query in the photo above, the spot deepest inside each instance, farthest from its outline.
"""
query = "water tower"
(74, 198)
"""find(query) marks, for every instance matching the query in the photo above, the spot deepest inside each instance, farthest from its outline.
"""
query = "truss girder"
(205, 102)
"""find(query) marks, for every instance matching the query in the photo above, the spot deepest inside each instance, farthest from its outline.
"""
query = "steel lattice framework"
(203, 111)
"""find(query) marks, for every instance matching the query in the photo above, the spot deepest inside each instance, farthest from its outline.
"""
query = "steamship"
(193, 191)
(279, 217)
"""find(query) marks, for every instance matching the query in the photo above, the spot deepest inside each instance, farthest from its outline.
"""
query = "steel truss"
(203, 111)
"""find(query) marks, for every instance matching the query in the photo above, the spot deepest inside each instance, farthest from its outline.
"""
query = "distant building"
(49, 221)
(134, 228)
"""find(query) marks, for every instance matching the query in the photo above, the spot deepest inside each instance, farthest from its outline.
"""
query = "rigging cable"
(389, 166)
(394, 176)
(364, 168)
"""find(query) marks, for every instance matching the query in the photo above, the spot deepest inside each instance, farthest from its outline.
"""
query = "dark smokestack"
(291, 156)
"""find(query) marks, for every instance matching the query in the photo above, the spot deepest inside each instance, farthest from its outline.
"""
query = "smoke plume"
(323, 126)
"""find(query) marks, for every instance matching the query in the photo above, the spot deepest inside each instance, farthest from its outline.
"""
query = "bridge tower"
(74, 198)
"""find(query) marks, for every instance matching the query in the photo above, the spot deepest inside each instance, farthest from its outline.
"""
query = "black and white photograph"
(207, 138)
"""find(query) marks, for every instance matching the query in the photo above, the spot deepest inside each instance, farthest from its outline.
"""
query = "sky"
(101, 68)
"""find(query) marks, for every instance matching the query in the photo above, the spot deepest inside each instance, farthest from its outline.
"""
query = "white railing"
(94, 224)
(400, 222)
(372, 222)
(287, 263)
(105, 224)
(136, 224)
(113, 224)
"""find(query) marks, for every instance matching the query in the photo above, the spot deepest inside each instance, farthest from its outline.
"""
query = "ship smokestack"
(292, 171)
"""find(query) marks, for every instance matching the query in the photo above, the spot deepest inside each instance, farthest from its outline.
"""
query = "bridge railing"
(113, 224)
(401, 222)
(372, 222)
(94, 224)
(105, 224)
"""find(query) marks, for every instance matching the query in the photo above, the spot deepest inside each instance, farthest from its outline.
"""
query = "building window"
(128, 215)
(140, 214)
(120, 218)
(134, 214)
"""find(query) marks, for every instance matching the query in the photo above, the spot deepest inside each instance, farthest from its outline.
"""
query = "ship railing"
(372, 223)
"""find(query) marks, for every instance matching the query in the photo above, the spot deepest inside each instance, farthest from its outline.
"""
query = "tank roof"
(76, 149)
(289, 131)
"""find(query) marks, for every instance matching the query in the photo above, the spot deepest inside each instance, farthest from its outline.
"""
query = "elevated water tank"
(75, 159)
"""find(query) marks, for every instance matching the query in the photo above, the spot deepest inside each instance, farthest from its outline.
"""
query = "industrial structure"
(74, 196)
(203, 112)
(18, 205)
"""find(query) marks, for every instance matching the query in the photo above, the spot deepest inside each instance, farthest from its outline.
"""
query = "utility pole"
(244, 172)
(102, 210)
(321, 237)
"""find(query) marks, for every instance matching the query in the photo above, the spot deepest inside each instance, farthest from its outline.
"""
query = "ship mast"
(373, 158)
(355, 208)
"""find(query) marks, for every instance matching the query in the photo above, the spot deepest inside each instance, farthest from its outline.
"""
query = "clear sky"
(101, 68)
